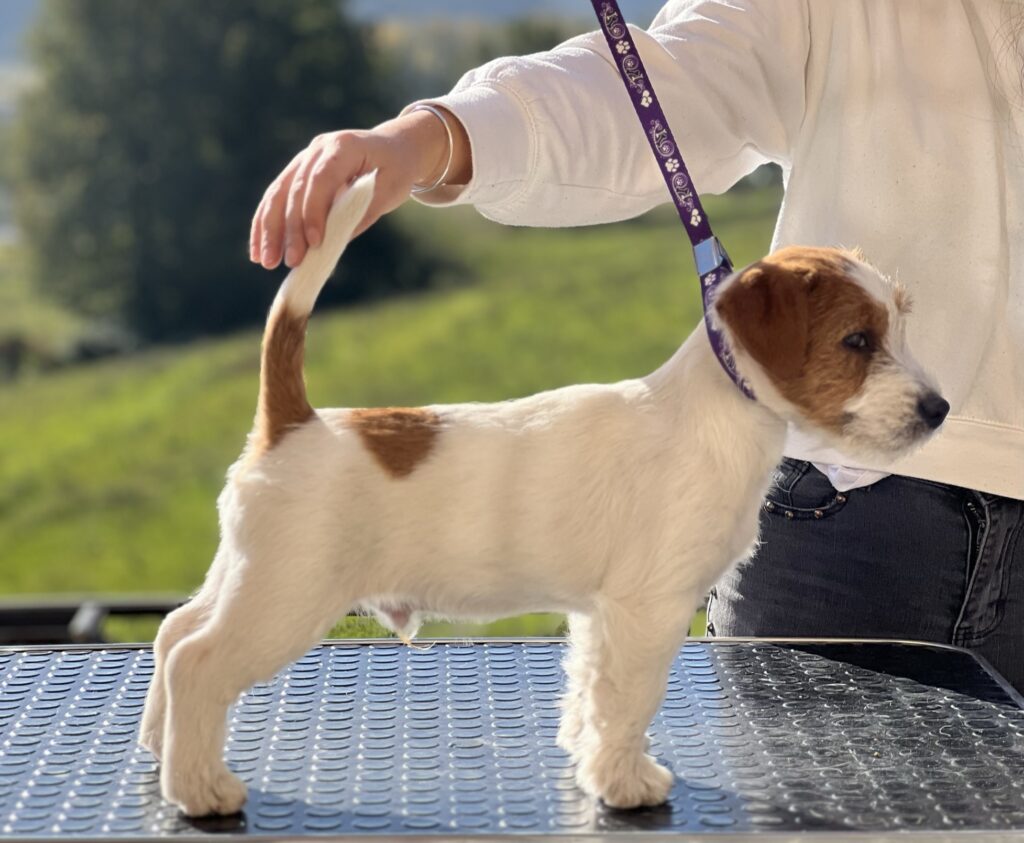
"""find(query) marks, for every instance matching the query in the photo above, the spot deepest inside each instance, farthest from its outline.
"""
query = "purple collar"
(713, 265)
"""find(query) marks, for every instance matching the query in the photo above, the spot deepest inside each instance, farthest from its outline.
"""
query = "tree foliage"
(155, 126)
(525, 35)
(429, 55)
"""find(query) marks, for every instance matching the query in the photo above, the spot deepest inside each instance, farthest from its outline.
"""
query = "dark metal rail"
(76, 619)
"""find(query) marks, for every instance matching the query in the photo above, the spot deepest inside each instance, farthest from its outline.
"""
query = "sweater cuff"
(501, 144)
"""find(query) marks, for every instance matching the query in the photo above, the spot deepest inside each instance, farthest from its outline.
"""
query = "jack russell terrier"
(618, 504)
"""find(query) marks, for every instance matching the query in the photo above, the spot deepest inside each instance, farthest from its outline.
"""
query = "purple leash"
(713, 265)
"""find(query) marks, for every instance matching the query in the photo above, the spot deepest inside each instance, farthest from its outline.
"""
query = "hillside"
(109, 473)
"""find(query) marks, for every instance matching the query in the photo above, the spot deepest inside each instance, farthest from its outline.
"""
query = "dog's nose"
(933, 409)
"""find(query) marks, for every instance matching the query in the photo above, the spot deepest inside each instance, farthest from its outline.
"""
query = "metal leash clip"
(709, 255)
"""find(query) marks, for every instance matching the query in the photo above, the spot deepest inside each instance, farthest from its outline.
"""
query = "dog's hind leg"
(179, 624)
(578, 665)
(270, 614)
(632, 650)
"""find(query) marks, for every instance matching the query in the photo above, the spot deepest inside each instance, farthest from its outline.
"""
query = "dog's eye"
(857, 341)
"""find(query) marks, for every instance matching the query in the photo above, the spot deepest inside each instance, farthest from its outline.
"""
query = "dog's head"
(819, 334)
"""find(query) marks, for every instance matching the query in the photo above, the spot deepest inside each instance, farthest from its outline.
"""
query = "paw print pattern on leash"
(645, 99)
(623, 47)
(672, 165)
(695, 218)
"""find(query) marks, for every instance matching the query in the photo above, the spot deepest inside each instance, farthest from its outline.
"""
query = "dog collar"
(709, 256)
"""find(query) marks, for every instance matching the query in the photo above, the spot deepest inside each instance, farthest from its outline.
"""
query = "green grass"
(109, 472)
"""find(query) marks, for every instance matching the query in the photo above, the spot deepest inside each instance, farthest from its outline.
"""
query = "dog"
(619, 505)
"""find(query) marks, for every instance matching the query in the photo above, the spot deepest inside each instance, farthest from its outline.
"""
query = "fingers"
(266, 235)
(294, 229)
(335, 167)
(270, 219)
(256, 233)
(292, 215)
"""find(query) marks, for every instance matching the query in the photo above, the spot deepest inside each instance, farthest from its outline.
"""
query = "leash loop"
(709, 256)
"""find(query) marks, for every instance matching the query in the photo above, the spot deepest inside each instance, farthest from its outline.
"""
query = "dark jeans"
(903, 558)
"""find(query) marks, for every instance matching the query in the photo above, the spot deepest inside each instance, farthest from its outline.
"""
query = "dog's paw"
(151, 731)
(568, 738)
(570, 730)
(198, 794)
(625, 780)
(152, 740)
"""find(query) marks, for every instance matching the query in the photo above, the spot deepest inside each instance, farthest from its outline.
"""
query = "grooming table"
(374, 740)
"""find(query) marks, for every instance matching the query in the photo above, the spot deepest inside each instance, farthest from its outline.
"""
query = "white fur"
(884, 413)
(618, 504)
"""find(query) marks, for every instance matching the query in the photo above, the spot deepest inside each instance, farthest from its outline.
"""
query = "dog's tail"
(282, 401)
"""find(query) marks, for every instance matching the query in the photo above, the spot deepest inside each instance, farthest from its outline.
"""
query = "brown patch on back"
(282, 402)
(399, 438)
(791, 311)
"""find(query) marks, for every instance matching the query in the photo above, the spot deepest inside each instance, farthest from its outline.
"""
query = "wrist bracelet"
(421, 188)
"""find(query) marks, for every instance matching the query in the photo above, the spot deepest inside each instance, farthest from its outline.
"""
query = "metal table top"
(456, 741)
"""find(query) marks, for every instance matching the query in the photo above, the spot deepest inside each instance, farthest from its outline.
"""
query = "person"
(899, 128)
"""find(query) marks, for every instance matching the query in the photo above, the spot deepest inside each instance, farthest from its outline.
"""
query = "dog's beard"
(882, 422)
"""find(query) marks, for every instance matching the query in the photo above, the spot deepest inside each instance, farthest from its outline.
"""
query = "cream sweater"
(899, 127)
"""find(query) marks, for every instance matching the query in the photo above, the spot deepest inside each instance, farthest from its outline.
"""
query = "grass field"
(109, 472)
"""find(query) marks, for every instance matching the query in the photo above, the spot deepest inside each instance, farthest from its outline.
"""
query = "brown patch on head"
(399, 438)
(791, 313)
(282, 402)
(766, 311)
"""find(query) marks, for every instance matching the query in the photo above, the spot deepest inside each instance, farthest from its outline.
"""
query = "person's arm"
(552, 138)
(555, 140)
(410, 149)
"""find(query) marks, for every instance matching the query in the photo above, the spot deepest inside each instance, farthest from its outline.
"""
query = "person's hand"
(411, 149)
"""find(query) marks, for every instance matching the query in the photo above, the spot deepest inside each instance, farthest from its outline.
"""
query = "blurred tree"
(429, 55)
(531, 34)
(142, 152)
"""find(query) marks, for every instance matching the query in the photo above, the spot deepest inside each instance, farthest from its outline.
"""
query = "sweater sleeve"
(555, 141)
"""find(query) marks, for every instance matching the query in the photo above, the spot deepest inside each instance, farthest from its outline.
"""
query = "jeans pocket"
(800, 491)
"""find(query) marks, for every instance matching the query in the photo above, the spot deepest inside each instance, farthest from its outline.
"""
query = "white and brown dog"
(618, 504)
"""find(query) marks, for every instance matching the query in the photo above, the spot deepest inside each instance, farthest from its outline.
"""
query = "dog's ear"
(766, 310)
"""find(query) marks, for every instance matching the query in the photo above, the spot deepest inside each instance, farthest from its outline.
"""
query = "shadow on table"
(929, 666)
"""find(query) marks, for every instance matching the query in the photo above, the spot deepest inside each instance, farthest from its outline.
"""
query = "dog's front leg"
(632, 646)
